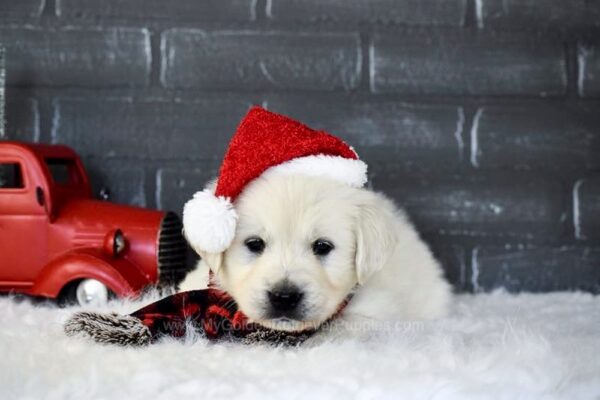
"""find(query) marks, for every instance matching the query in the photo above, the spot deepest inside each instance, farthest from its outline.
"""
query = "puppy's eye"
(255, 245)
(322, 247)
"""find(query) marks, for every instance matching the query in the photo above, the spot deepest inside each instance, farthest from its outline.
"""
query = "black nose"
(286, 299)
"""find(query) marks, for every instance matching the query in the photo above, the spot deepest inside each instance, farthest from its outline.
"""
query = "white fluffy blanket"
(492, 346)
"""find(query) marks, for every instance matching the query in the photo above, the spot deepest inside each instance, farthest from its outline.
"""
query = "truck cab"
(57, 241)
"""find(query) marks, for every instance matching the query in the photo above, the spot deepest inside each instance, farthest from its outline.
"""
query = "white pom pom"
(209, 222)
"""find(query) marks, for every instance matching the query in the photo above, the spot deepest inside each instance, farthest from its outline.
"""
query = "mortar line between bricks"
(474, 137)
(268, 9)
(576, 213)
(465, 265)
(474, 270)
(158, 188)
(580, 54)
(363, 64)
(253, 9)
(55, 120)
(458, 133)
(37, 121)
(478, 14)
(371, 64)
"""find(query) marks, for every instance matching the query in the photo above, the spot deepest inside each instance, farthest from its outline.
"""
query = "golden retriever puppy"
(304, 245)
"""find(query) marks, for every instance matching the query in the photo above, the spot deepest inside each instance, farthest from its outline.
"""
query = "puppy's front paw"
(113, 328)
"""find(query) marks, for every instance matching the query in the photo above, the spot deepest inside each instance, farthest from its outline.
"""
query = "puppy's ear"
(376, 234)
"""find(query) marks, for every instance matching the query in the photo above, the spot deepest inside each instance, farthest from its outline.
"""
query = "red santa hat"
(265, 143)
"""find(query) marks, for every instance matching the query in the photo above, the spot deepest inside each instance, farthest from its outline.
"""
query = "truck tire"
(86, 292)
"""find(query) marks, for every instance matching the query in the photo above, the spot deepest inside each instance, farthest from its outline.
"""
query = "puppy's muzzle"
(284, 300)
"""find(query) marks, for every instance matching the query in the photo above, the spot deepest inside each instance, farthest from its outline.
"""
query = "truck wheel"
(86, 292)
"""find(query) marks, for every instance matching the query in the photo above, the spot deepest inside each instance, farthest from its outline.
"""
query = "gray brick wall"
(22, 118)
(537, 13)
(28, 8)
(73, 56)
(410, 12)
(251, 60)
(536, 135)
(480, 117)
(586, 196)
(486, 206)
(179, 10)
(131, 128)
(467, 63)
(588, 59)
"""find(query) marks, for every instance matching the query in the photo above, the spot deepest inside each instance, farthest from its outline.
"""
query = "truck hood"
(86, 223)
(94, 215)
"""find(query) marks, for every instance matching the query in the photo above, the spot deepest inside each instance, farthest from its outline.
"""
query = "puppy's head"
(301, 245)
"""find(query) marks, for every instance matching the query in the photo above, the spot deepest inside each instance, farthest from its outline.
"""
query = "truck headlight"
(115, 243)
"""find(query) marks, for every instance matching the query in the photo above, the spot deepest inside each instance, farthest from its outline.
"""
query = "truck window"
(11, 176)
(63, 171)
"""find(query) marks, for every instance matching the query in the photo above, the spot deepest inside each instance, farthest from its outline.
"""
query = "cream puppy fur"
(321, 241)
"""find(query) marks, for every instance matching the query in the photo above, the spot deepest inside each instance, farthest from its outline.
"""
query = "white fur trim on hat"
(345, 170)
(209, 222)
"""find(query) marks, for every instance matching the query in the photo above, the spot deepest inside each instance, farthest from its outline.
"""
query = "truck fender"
(80, 264)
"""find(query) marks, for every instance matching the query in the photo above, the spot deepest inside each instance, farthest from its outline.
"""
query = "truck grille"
(172, 251)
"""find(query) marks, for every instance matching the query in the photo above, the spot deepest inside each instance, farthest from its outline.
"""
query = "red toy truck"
(57, 241)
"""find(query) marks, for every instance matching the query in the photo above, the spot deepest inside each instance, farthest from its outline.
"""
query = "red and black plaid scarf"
(209, 312)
